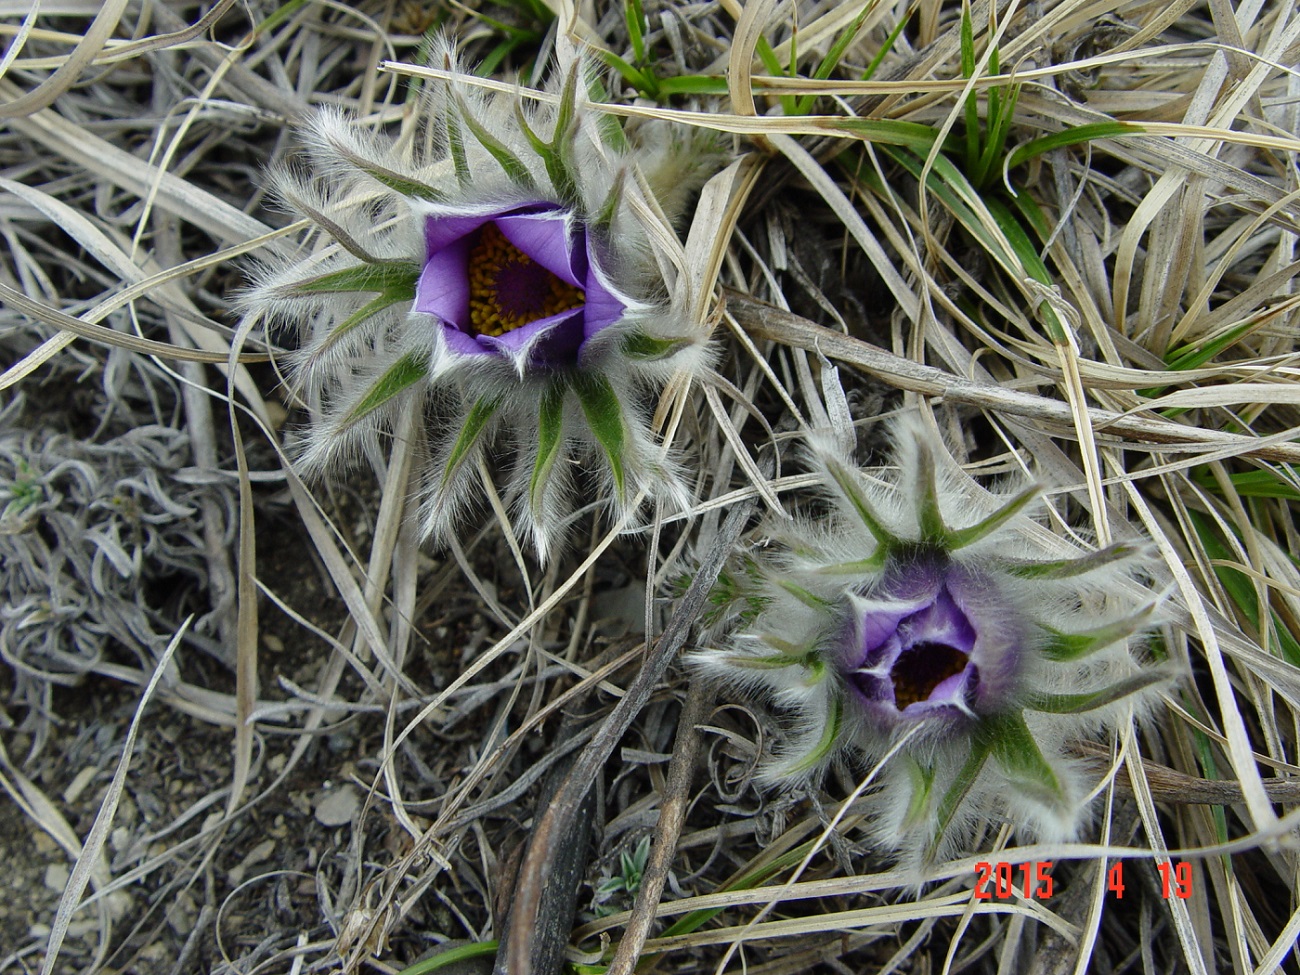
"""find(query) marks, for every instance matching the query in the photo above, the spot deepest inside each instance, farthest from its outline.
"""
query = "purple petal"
(442, 232)
(443, 288)
(463, 343)
(953, 690)
(545, 238)
(941, 622)
(554, 340)
(603, 306)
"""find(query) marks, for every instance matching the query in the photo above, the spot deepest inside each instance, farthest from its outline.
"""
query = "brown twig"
(518, 952)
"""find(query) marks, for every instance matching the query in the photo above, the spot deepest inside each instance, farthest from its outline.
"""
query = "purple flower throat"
(913, 649)
(508, 289)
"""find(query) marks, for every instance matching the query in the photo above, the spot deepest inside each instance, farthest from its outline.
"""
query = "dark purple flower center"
(918, 671)
(508, 289)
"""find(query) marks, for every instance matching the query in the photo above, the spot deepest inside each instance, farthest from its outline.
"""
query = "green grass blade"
(1072, 136)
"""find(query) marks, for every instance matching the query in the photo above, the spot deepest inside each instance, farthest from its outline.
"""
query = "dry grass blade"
(92, 848)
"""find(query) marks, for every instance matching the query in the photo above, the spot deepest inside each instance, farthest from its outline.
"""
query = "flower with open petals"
(508, 288)
(936, 628)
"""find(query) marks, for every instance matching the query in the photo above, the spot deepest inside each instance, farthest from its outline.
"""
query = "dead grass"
(391, 715)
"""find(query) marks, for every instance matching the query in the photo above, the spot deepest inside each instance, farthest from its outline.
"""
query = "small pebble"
(337, 807)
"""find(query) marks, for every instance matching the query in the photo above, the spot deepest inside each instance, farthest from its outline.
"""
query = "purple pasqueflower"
(930, 643)
(939, 631)
(521, 282)
(510, 285)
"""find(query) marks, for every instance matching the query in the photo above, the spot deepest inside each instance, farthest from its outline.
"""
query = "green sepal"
(809, 599)
(853, 491)
(1067, 568)
(605, 417)
(1012, 745)
(390, 276)
(647, 348)
(928, 516)
(512, 164)
(561, 179)
(456, 146)
(961, 785)
(1065, 647)
(922, 781)
(1079, 703)
(826, 743)
(550, 434)
(400, 376)
(966, 536)
(471, 430)
(395, 181)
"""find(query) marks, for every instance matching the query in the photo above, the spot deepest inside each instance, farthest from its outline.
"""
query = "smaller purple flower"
(932, 641)
(522, 283)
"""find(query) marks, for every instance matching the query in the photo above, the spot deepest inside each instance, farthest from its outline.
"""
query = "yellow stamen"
(492, 312)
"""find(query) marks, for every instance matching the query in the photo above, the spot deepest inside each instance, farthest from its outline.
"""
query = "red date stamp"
(996, 881)
(1175, 880)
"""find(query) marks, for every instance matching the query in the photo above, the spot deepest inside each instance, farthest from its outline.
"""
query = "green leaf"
(560, 177)
(1079, 703)
(809, 599)
(1012, 745)
(636, 24)
(395, 181)
(566, 126)
(550, 434)
(961, 786)
(692, 84)
(643, 82)
(836, 51)
(390, 276)
(966, 536)
(971, 108)
(921, 778)
(826, 743)
(1241, 589)
(604, 218)
(888, 46)
(360, 316)
(1069, 137)
(400, 376)
(848, 483)
(647, 348)
(927, 497)
(1075, 646)
(456, 145)
(605, 418)
(1267, 483)
(513, 166)
(471, 430)
(457, 956)
(1027, 254)
(1068, 568)
(891, 132)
